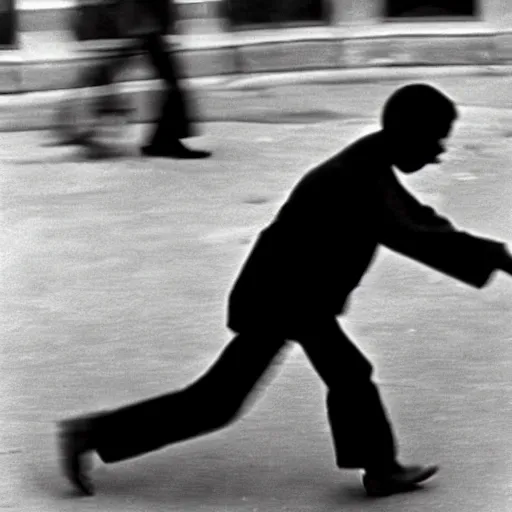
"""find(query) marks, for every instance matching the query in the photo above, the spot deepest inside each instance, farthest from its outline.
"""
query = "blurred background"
(42, 50)
(114, 273)
(232, 36)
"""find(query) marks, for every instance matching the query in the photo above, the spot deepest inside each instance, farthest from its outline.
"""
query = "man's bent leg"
(206, 405)
(362, 434)
(361, 431)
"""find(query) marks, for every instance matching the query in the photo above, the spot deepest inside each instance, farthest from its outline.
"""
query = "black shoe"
(95, 150)
(68, 137)
(114, 106)
(399, 479)
(75, 445)
(174, 150)
(65, 130)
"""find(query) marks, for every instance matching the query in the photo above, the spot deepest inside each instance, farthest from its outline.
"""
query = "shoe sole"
(70, 459)
(378, 488)
(145, 151)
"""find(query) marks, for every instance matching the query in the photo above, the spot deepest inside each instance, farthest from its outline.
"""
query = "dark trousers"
(361, 432)
(173, 122)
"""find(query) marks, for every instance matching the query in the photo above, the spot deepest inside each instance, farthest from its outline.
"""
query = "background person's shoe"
(400, 479)
(96, 150)
(114, 105)
(65, 134)
(63, 138)
(75, 446)
(66, 128)
(174, 150)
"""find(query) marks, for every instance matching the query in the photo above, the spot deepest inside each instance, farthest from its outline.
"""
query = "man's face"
(416, 152)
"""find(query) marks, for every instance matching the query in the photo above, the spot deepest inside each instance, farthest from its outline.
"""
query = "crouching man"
(294, 284)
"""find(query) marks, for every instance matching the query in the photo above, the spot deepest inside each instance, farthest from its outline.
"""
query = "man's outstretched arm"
(505, 262)
(417, 231)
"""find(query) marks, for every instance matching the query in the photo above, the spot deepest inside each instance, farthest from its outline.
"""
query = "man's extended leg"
(211, 402)
(362, 433)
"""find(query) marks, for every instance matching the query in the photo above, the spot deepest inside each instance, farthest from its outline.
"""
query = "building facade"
(235, 36)
(364, 33)
(333, 12)
(53, 14)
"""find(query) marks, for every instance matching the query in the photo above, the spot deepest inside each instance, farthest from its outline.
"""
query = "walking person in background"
(294, 284)
(144, 25)
(79, 117)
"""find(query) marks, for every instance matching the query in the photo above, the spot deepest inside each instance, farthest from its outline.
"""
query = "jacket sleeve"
(419, 232)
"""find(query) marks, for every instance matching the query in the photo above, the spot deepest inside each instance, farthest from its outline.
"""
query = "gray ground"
(114, 280)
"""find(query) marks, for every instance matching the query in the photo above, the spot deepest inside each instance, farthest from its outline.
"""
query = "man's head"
(415, 120)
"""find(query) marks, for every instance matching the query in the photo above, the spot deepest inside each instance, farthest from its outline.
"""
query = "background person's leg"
(361, 431)
(174, 121)
(209, 403)
(105, 76)
(78, 117)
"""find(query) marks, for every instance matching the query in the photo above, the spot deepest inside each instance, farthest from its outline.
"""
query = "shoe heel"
(375, 488)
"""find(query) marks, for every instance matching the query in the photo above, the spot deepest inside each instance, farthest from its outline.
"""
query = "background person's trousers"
(173, 120)
(361, 431)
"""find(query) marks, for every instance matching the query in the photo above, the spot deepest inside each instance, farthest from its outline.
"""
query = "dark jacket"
(315, 252)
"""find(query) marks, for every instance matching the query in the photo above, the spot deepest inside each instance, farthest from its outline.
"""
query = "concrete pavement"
(115, 276)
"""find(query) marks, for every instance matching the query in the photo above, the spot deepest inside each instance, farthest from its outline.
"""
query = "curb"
(35, 110)
(361, 75)
(51, 61)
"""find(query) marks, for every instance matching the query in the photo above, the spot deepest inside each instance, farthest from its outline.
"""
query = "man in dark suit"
(295, 283)
(144, 25)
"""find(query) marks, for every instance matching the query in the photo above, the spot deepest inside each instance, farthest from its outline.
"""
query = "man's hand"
(505, 262)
